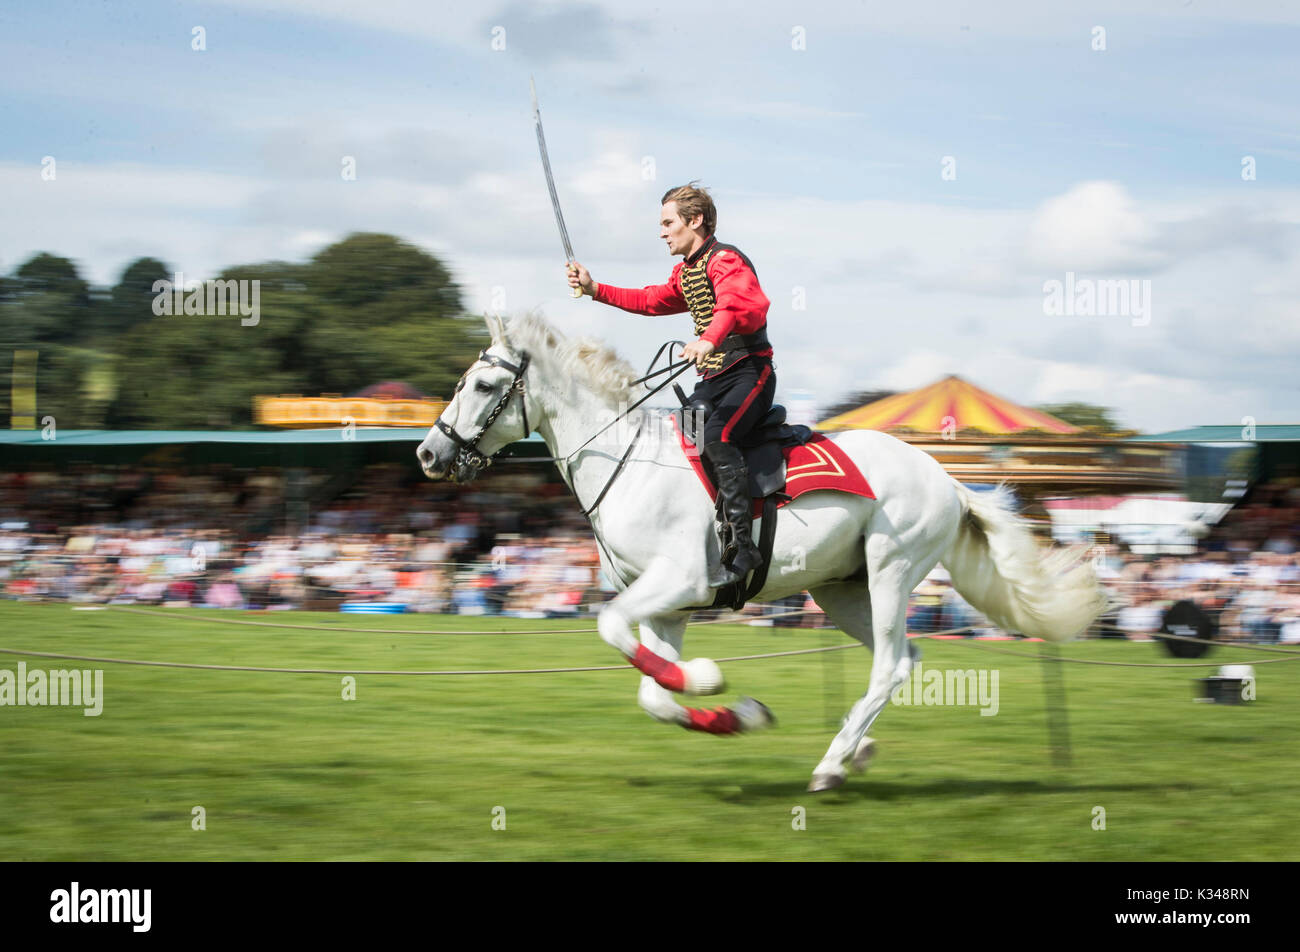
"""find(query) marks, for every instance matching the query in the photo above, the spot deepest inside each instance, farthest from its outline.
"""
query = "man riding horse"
(718, 285)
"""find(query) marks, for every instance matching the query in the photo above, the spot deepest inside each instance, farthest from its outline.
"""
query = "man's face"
(678, 234)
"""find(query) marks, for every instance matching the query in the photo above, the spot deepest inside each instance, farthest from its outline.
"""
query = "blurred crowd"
(384, 542)
(509, 547)
(551, 576)
(1266, 520)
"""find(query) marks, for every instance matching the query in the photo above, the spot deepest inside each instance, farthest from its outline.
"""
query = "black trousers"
(741, 397)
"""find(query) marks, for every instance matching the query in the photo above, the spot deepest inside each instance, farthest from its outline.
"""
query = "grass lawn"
(416, 767)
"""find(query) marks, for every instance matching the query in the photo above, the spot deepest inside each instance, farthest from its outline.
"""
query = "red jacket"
(741, 306)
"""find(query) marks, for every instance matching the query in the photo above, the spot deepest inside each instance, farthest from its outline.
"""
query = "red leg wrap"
(720, 720)
(666, 674)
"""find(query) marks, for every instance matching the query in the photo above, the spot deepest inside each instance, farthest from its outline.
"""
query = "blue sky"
(825, 162)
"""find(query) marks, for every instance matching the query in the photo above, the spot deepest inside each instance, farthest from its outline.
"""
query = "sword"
(550, 184)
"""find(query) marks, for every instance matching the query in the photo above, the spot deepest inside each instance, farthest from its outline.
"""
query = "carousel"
(981, 438)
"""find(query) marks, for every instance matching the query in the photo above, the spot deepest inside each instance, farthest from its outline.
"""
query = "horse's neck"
(571, 420)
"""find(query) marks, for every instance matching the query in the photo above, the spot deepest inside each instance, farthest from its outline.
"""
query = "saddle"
(763, 448)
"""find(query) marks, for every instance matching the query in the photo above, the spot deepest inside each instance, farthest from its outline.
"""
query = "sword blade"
(550, 179)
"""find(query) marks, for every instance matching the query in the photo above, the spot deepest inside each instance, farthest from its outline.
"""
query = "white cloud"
(898, 294)
(1093, 226)
(932, 21)
(906, 278)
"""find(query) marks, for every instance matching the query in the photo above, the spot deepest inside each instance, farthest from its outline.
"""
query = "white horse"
(859, 558)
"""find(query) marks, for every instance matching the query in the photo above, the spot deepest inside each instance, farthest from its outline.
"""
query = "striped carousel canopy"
(944, 404)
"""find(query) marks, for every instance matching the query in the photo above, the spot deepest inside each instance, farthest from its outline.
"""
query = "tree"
(46, 302)
(367, 309)
(192, 372)
(380, 309)
(131, 300)
(47, 307)
(364, 269)
(47, 272)
(1086, 415)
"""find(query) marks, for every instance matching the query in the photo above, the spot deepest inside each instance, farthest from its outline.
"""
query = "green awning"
(303, 448)
(1263, 433)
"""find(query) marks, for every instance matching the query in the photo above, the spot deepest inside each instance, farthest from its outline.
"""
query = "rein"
(681, 368)
(617, 469)
(469, 455)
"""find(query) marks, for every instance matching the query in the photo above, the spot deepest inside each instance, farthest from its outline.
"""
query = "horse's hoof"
(822, 782)
(863, 755)
(753, 715)
(703, 677)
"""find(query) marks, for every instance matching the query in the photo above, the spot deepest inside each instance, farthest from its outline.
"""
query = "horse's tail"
(999, 568)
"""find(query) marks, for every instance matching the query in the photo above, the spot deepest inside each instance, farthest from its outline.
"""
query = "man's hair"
(692, 201)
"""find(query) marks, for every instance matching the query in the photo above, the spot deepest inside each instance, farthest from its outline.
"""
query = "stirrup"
(725, 576)
(729, 575)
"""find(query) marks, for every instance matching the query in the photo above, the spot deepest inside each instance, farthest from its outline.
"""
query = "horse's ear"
(497, 329)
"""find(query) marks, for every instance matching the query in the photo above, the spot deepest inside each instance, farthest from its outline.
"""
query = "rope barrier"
(1123, 664)
(730, 619)
(1161, 636)
(724, 620)
(974, 643)
(357, 671)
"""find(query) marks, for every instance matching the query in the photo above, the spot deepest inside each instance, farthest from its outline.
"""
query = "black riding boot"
(740, 557)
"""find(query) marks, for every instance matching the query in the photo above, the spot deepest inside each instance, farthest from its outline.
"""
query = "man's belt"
(733, 348)
(734, 344)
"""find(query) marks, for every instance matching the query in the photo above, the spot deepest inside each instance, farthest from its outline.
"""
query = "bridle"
(467, 454)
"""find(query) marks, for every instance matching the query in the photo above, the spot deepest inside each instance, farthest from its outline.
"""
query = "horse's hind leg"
(663, 636)
(879, 617)
(848, 606)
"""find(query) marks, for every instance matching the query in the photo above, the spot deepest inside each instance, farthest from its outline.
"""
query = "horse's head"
(488, 411)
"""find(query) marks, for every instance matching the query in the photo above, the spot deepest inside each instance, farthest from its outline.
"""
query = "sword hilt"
(575, 292)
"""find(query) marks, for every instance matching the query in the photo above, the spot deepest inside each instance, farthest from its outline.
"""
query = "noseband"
(467, 454)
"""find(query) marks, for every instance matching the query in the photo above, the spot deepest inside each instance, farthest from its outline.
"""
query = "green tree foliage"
(367, 309)
(45, 301)
(374, 308)
(45, 306)
(131, 300)
(47, 272)
(1085, 415)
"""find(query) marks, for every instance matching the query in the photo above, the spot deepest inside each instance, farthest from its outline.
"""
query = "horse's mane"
(606, 374)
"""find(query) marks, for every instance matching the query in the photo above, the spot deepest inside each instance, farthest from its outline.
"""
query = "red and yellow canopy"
(947, 404)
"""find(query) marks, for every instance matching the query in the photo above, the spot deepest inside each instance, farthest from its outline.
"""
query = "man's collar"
(709, 243)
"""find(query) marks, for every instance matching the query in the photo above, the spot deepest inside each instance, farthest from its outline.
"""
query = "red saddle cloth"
(817, 464)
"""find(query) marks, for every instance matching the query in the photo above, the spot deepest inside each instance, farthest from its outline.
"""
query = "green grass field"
(285, 769)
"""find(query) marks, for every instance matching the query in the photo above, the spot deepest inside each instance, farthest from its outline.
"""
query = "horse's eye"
(483, 387)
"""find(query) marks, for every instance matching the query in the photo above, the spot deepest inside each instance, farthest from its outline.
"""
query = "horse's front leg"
(663, 636)
(666, 586)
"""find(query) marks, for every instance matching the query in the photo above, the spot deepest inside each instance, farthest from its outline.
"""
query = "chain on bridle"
(467, 455)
